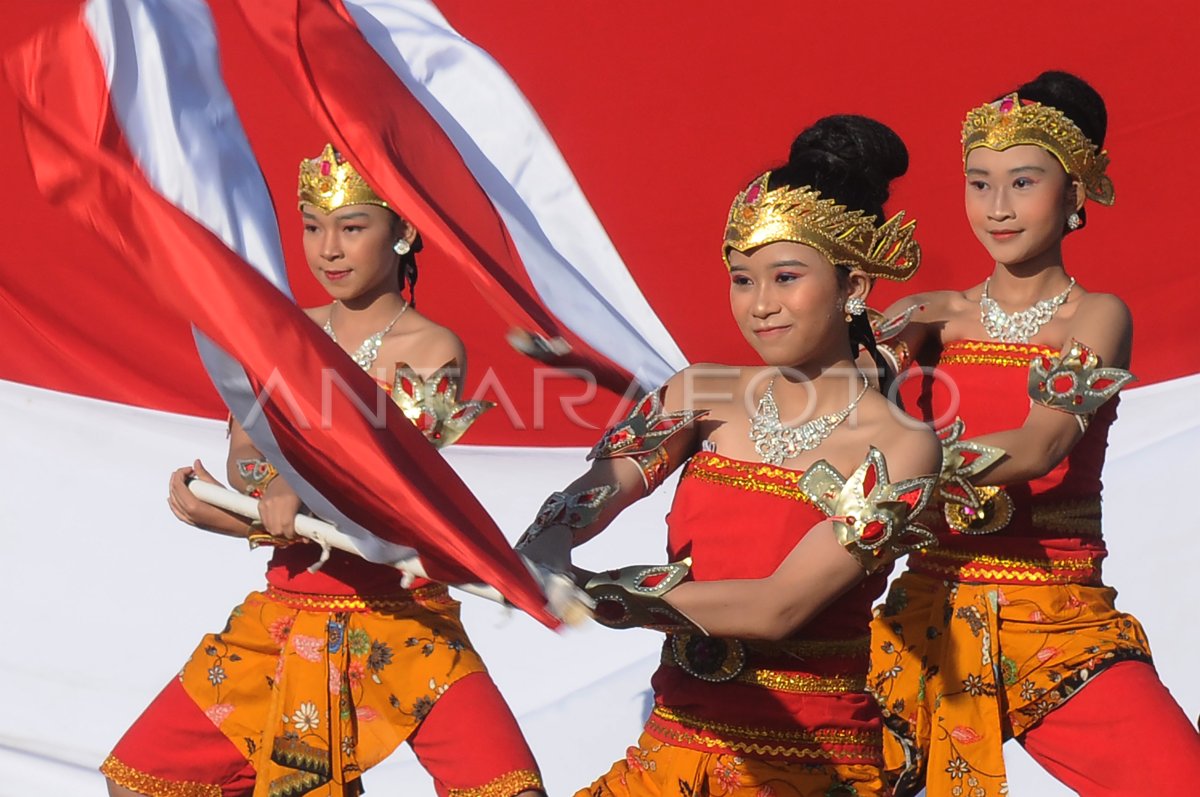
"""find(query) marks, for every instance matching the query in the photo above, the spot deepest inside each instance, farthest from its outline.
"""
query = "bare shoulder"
(427, 345)
(705, 386)
(318, 315)
(909, 446)
(1104, 307)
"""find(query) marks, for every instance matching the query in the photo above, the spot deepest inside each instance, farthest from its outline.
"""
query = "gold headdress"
(1010, 122)
(846, 237)
(330, 182)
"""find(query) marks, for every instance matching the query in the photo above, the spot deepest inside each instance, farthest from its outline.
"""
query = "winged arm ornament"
(873, 518)
(432, 403)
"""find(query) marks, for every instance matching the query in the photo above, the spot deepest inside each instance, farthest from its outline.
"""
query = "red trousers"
(469, 743)
(1122, 735)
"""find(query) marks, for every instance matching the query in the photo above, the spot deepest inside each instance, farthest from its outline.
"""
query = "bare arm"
(814, 574)
(1047, 436)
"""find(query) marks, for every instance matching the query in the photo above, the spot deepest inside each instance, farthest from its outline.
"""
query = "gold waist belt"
(970, 567)
(779, 680)
(392, 602)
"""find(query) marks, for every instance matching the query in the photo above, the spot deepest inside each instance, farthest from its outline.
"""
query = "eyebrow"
(791, 262)
(984, 172)
(359, 214)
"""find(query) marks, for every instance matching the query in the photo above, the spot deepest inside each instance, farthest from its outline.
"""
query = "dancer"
(321, 675)
(795, 497)
(995, 632)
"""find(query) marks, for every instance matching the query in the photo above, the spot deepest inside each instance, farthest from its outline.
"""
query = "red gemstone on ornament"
(325, 168)
(1006, 105)
(871, 478)
(1046, 365)
(874, 530)
(1103, 384)
(752, 194)
(1063, 383)
(653, 580)
(1079, 399)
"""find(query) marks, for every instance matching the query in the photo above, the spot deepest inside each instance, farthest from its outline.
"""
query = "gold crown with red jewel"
(1011, 121)
(329, 182)
(846, 237)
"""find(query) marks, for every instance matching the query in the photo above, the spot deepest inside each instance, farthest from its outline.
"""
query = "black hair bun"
(850, 158)
(1072, 95)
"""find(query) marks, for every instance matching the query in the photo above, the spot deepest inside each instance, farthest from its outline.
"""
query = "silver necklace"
(775, 441)
(368, 350)
(1022, 325)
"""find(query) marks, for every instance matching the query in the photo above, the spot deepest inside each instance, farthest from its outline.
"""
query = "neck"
(1028, 282)
(821, 389)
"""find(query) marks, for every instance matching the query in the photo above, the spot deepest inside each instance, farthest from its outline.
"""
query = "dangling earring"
(402, 247)
(855, 305)
(1074, 222)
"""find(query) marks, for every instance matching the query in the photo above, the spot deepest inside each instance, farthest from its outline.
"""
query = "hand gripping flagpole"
(563, 598)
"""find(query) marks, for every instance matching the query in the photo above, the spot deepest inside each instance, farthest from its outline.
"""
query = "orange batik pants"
(301, 693)
(658, 769)
(961, 667)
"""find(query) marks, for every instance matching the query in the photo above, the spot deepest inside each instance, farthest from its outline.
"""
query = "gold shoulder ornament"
(1075, 382)
(432, 404)
(873, 518)
(970, 509)
(846, 237)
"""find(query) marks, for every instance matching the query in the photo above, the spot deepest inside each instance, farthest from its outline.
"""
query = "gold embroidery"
(1069, 517)
(434, 596)
(1005, 355)
(126, 776)
(818, 737)
(748, 476)
(507, 785)
(964, 565)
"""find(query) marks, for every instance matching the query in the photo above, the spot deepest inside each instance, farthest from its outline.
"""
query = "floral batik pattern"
(959, 668)
(657, 768)
(315, 692)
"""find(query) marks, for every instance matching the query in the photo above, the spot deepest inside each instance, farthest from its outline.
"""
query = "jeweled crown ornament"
(847, 237)
(330, 182)
(1011, 121)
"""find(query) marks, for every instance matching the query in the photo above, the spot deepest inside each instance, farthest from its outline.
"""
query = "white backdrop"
(105, 594)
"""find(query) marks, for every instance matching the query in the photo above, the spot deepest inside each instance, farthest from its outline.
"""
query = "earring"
(402, 247)
(855, 305)
(1074, 222)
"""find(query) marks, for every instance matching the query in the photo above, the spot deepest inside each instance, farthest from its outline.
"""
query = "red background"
(664, 116)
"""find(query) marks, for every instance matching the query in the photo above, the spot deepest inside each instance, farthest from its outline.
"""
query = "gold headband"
(1010, 122)
(846, 237)
(329, 182)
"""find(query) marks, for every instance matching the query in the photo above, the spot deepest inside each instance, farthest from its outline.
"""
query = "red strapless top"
(1054, 534)
(799, 699)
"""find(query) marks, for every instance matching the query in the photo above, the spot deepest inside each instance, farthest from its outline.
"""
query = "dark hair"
(408, 269)
(1078, 101)
(852, 159)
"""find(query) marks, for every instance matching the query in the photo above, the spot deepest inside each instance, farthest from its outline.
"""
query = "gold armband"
(642, 436)
(573, 510)
(257, 474)
(1074, 382)
(632, 597)
(969, 509)
(872, 517)
(432, 404)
